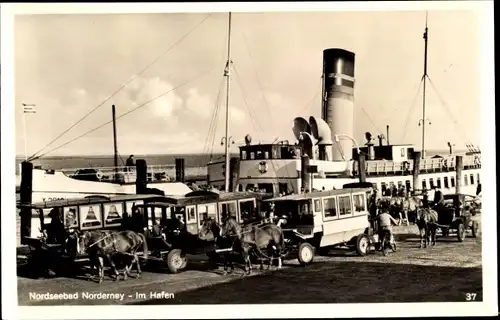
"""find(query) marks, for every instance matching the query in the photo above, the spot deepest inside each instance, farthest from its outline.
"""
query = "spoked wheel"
(362, 244)
(461, 232)
(305, 253)
(475, 227)
(176, 261)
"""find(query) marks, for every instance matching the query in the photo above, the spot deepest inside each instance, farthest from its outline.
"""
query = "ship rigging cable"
(257, 78)
(445, 106)
(212, 130)
(412, 107)
(126, 113)
(213, 123)
(255, 121)
(34, 156)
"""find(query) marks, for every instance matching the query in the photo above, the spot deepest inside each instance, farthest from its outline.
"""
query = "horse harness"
(254, 228)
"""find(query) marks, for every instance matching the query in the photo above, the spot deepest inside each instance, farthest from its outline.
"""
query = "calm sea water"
(72, 162)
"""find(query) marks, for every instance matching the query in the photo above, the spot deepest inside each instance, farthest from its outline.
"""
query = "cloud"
(198, 104)
(60, 74)
(143, 90)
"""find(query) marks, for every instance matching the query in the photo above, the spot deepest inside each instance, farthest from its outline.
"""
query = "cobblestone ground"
(445, 272)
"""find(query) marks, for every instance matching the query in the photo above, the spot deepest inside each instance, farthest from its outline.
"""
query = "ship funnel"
(300, 125)
(338, 98)
(322, 133)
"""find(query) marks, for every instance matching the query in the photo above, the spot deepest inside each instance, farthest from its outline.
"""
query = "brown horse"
(100, 244)
(210, 232)
(427, 225)
(254, 239)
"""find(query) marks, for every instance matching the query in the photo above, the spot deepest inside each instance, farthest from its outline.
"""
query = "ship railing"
(382, 167)
(124, 174)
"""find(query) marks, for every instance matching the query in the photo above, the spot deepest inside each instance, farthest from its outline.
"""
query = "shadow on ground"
(340, 282)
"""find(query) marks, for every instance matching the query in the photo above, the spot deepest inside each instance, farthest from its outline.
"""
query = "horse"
(210, 232)
(252, 239)
(406, 205)
(427, 225)
(100, 244)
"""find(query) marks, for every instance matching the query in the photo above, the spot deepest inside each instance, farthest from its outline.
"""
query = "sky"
(69, 64)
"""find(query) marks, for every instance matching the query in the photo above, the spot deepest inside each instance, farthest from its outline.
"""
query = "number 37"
(470, 296)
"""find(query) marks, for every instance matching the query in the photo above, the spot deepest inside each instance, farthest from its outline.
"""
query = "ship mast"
(424, 78)
(227, 73)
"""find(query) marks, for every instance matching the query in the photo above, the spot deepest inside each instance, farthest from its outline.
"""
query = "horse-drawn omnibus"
(323, 219)
(60, 220)
(174, 222)
(170, 224)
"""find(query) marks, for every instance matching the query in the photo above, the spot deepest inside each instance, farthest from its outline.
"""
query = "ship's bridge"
(281, 150)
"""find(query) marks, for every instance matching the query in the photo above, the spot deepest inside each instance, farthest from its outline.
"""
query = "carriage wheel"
(362, 244)
(305, 253)
(475, 226)
(461, 232)
(176, 261)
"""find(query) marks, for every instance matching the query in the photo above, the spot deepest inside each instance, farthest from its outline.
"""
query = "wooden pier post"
(362, 167)
(416, 170)
(180, 175)
(141, 182)
(458, 173)
(459, 165)
(306, 181)
(26, 194)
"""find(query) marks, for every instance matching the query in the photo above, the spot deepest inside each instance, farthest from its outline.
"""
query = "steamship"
(324, 156)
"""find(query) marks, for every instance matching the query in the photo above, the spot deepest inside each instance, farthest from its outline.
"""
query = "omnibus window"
(191, 213)
(471, 179)
(478, 180)
(317, 205)
(71, 217)
(90, 216)
(228, 209)
(400, 184)
(330, 207)
(344, 205)
(209, 209)
(178, 212)
(452, 181)
(248, 210)
(466, 182)
(266, 154)
(445, 180)
(424, 184)
(438, 181)
(243, 155)
(359, 203)
(431, 183)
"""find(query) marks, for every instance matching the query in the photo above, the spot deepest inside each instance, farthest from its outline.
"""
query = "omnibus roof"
(200, 197)
(317, 194)
(89, 200)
